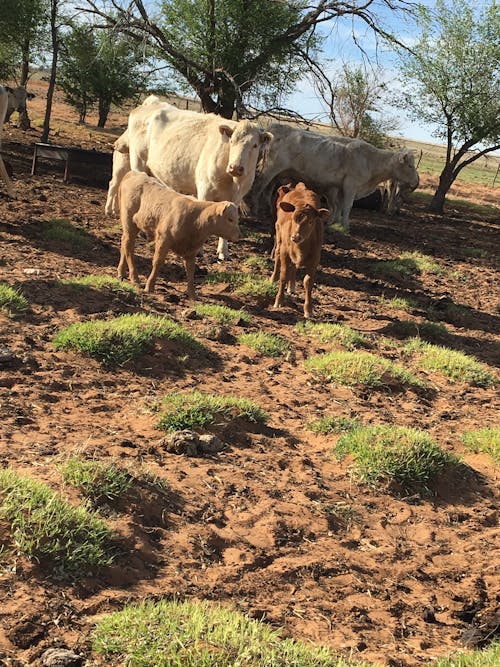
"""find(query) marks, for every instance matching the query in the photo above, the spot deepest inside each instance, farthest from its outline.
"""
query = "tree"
(55, 21)
(351, 99)
(452, 80)
(23, 34)
(230, 50)
(99, 67)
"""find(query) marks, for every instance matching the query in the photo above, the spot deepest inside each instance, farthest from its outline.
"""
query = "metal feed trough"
(73, 157)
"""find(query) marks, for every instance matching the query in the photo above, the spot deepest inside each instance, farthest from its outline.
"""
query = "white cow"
(197, 154)
(4, 106)
(343, 170)
(16, 100)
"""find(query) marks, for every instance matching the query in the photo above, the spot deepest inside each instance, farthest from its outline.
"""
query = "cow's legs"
(308, 285)
(189, 264)
(5, 177)
(347, 200)
(285, 266)
(129, 236)
(161, 250)
(121, 166)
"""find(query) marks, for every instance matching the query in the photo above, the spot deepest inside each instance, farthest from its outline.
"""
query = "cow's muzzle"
(236, 170)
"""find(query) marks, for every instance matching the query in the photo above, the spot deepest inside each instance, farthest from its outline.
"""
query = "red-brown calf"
(299, 237)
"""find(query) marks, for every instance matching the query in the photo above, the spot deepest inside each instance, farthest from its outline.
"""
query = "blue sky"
(340, 46)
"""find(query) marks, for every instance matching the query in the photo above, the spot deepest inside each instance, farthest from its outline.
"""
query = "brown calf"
(299, 236)
(177, 223)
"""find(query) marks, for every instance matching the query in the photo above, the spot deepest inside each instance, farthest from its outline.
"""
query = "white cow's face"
(406, 170)
(245, 142)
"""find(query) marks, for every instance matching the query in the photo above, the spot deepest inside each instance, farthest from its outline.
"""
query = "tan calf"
(178, 224)
(299, 237)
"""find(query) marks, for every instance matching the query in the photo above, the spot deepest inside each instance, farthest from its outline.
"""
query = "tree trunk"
(104, 107)
(445, 181)
(53, 70)
(24, 121)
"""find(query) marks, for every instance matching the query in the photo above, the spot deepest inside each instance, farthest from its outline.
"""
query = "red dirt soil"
(273, 525)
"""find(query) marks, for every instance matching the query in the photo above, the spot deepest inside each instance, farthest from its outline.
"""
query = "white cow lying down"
(344, 171)
(197, 154)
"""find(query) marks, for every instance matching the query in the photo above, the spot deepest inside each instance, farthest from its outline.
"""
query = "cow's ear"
(266, 137)
(283, 189)
(323, 213)
(287, 206)
(227, 207)
(225, 130)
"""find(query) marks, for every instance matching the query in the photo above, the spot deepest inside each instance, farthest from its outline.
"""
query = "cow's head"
(406, 171)
(304, 216)
(229, 218)
(245, 143)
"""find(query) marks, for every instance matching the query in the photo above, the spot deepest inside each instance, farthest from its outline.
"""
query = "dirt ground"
(273, 525)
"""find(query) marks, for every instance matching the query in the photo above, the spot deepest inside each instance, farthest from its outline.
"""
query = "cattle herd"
(182, 163)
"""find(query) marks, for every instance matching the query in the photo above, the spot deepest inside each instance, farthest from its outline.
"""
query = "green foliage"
(452, 81)
(329, 425)
(98, 481)
(406, 456)
(359, 368)
(258, 263)
(12, 300)
(201, 634)
(100, 281)
(269, 345)
(62, 231)
(457, 366)
(23, 34)
(198, 410)
(114, 342)
(99, 67)
(245, 39)
(328, 332)
(47, 529)
(223, 314)
(484, 440)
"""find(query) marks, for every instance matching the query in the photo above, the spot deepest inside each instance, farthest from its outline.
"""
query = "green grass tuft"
(269, 345)
(12, 300)
(426, 330)
(201, 634)
(359, 368)
(333, 333)
(408, 265)
(101, 281)
(328, 425)
(488, 657)
(223, 314)
(49, 530)
(484, 440)
(388, 454)
(457, 366)
(245, 284)
(475, 252)
(98, 481)
(399, 303)
(258, 263)
(62, 231)
(114, 342)
(198, 410)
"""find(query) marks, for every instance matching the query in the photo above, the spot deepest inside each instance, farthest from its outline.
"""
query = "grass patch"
(426, 330)
(114, 342)
(200, 634)
(49, 530)
(198, 410)
(475, 252)
(329, 425)
(488, 657)
(390, 454)
(62, 231)
(399, 303)
(484, 440)
(409, 265)
(11, 300)
(100, 281)
(457, 366)
(223, 314)
(359, 368)
(333, 333)
(269, 345)
(245, 284)
(258, 263)
(98, 481)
